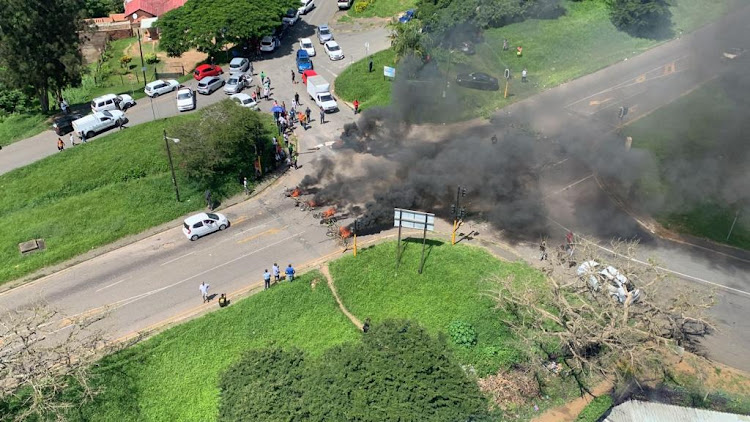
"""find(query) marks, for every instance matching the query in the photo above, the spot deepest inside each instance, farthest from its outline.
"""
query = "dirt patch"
(343, 23)
(346, 312)
(569, 411)
(188, 60)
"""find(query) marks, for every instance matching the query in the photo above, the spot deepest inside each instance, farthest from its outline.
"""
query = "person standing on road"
(293, 77)
(72, 139)
(296, 98)
(257, 90)
(290, 273)
(543, 250)
(266, 92)
(322, 115)
(266, 280)
(263, 77)
(276, 272)
(523, 75)
(356, 106)
(83, 138)
(204, 291)
(60, 144)
(308, 112)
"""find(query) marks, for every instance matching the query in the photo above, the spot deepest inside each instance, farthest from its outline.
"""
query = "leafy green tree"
(102, 8)
(208, 26)
(209, 155)
(39, 45)
(641, 18)
(407, 38)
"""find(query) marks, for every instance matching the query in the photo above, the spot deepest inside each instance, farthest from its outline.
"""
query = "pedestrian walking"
(294, 75)
(296, 98)
(505, 44)
(308, 112)
(204, 291)
(266, 280)
(543, 250)
(322, 115)
(276, 272)
(290, 273)
(257, 91)
(244, 185)
(266, 92)
(83, 138)
(294, 160)
(294, 103)
(60, 144)
(72, 140)
(523, 75)
(369, 66)
(356, 106)
(263, 77)
(268, 82)
(209, 202)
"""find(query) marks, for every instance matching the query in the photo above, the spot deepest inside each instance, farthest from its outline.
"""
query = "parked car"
(98, 122)
(344, 4)
(210, 84)
(333, 50)
(269, 43)
(64, 124)
(237, 82)
(307, 6)
(112, 102)
(467, 48)
(618, 286)
(406, 16)
(306, 74)
(245, 100)
(303, 61)
(186, 99)
(478, 80)
(324, 34)
(240, 65)
(204, 223)
(307, 45)
(205, 70)
(158, 87)
(290, 17)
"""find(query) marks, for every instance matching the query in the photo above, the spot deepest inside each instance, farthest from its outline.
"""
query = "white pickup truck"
(98, 122)
(319, 90)
(344, 4)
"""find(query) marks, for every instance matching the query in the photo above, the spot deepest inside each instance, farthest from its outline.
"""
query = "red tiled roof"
(154, 7)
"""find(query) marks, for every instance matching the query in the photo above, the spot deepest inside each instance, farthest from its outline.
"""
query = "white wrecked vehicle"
(618, 286)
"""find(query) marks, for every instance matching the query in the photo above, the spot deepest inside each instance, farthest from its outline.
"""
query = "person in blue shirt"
(290, 273)
(266, 279)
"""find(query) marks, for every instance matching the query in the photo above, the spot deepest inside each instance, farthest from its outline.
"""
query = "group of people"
(61, 143)
(276, 272)
(203, 288)
(519, 54)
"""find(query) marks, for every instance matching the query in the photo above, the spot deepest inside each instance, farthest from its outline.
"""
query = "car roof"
(305, 40)
(237, 60)
(323, 27)
(241, 96)
(209, 79)
(185, 89)
(196, 218)
(105, 97)
(203, 67)
(331, 43)
(156, 82)
(302, 53)
(267, 38)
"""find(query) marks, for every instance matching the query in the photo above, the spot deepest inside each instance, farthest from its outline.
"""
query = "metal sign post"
(413, 220)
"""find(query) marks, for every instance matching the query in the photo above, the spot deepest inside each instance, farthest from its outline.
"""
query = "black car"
(64, 124)
(477, 80)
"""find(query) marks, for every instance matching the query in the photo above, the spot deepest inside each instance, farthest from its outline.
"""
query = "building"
(136, 10)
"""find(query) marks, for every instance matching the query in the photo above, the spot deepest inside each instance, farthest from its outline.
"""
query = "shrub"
(462, 333)
(125, 60)
(362, 5)
(641, 18)
(595, 410)
(151, 58)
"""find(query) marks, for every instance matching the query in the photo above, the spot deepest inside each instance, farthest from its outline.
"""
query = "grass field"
(90, 195)
(686, 131)
(555, 51)
(174, 376)
(370, 88)
(455, 285)
(382, 8)
(17, 126)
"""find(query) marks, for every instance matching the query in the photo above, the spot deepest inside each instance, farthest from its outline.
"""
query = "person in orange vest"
(519, 51)
(356, 106)
(60, 144)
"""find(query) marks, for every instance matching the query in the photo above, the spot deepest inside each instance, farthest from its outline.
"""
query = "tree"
(641, 18)
(210, 156)
(571, 321)
(208, 26)
(102, 8)
(41, 365)
(407, 38)
(39, 44)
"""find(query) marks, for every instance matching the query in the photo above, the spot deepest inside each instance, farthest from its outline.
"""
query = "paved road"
(277, 66)
(156, 278)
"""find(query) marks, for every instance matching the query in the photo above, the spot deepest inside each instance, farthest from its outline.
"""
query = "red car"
(306, 74)
(205, 70)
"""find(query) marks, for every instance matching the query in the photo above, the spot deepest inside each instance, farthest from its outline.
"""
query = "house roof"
(153, 7)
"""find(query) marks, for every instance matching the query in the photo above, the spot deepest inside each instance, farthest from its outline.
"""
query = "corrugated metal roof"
(639, 411)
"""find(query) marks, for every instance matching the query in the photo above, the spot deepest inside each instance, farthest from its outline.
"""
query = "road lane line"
(175, 259)
(273, 230)
(570, 186)
(115, 283)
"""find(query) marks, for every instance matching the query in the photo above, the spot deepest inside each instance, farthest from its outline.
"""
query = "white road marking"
(570, 186)
(175, 259)
(115, 283)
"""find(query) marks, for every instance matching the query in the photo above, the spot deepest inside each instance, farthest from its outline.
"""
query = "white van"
(112, 102)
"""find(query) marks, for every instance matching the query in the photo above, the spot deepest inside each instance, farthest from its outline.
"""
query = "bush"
(595, 410)
(151, 58)
(462, 333)
(641, 18)
(125, 61)
(361, 5)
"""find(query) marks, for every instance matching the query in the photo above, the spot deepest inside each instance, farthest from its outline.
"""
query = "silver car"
(240, 65)
(210, 84)
(324, 34)
(237, 82)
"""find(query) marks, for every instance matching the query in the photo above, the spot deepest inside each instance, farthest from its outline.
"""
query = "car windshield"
(326, 98)
(183, 96)
(290, 13)
(304, 59)
(307, 45)
(324, 31)
(212, 216)
(334, 48)
(266, 41)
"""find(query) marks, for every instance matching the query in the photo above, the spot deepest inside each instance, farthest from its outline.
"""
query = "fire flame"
(344, 232)
(329, 212)
(311, 203)
(296, 192)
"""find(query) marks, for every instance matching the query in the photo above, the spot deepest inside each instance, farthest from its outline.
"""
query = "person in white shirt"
(204, 291)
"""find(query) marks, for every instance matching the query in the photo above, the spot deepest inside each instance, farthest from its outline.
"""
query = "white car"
(269, 43)
(307, 5)
(199, 225)
(240, 65)
(185, 99)
(307, 45)
(290, 17)
(112, 102)
(244, 100)
(237, 82)
(158, 87)
(334, 51)
(210, 84)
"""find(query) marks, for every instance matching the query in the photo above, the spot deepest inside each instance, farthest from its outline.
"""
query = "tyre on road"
(194, 237)
(222, 227)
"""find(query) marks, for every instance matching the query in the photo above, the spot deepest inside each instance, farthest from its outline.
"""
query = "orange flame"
(296, 192)
(329, 212)
(345, 232)
(311, 203)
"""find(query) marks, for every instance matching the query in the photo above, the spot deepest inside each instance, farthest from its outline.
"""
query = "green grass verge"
(174, 376)
(684, 130)
(455, 285)
(90, 195)
(370, 88)
(595, 409)
(382, 8)
(17, 126)
(555, 51)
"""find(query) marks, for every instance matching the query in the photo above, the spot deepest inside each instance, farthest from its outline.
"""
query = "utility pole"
(457, 212)
(143, 63)
(171, 165)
